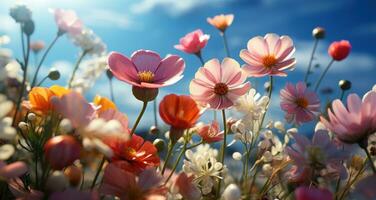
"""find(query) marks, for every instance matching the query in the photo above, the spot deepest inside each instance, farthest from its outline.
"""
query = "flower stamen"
(220, 89)
(302, 102)
(269, 61)
(146, 76)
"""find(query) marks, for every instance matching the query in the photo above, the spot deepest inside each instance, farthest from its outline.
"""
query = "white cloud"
(7, 25)
(173, 7)
(107, 18)
(356, 60)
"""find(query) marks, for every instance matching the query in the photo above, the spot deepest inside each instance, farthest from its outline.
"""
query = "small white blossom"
(252, 105)
(6, 151)
(232, 192)
(237, 156)
(89, 42)
(279, 125)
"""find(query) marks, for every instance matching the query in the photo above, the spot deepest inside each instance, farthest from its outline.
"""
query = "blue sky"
(129, 25)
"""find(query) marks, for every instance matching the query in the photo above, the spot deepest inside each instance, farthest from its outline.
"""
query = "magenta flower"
(127, 186)
(268, 56)
(67, 21)
(193, 42)
(319, 157)
(312, 193)
(219, 85)
(146, 69)
(210, 132)
(354, 123)
(300, 104)
(12, 170)
(21, 192)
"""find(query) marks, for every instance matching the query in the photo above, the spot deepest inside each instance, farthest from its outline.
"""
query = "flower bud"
(20, 13)
(267, 169)
(65, 126)
(356, 162)
(23, 126)
(318, 33)
(37, 46)
(109, 74)
(61, 151)
(159, 144)
(73, 174)
(28, 27)
(232, 192)
(237, 156)
(344, 84)
(145, 94)
(339, 50)
(54, 74)
(31, 117)
(154, 130)
(56, 182)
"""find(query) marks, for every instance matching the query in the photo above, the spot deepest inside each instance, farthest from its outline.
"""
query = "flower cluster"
(56, 144)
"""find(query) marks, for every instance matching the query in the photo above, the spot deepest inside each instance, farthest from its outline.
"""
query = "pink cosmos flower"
(112, 114)
(268, 56)
(184, 185)
(210, 133)
(146, 69)
(219, 85)
(67, 21)
(12, 170)
(354, 123)
(193, 42)
(317, 156)
(74, 107)
(311, 193)
(300, 104)
(127, 186)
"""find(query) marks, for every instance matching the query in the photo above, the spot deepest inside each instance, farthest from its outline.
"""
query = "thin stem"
(42, 60)
(139, 117)
(195, 145)
(323, 74)
(199, 56)
(23, 85)
(370, 160)
(310, 61)
(223, 149)
(111, 90)
(99, 169)
(169, 153)
(177, 161)
(76, 68)
(155, 113)
(223, 34)
(342, 94)
(270, 96)
(41, 82)
(23, 43)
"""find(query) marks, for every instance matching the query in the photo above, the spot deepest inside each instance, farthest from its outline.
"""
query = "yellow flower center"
(302, 102)
(146, 76)
(131, 151)
(220, 89)
(269, 61)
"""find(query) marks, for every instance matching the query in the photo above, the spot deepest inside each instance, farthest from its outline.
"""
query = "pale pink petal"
(273, 42)
(258, 47)
(122, 68)
(146, 60)
(169, 67)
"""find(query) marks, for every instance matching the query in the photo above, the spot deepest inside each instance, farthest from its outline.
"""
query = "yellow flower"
(103, 103)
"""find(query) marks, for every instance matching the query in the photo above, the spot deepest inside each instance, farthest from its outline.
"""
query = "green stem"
(199, 56)
(99, 169)
(23, 85)
(155, 113)
(323, 75)
(223, 34)
(76, 68)
(310, 61)
(223, 149)
(111, 90)
(370, 160)
(42, 60)
(177, 161)
(169, 153)
(195, 145)
(41, 82)
(342, 95)
(139, 117)
(267, 107)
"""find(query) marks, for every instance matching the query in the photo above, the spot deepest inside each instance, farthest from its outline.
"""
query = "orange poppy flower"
(103, 103)
(180, 112)
(39, 98)
(221, 22)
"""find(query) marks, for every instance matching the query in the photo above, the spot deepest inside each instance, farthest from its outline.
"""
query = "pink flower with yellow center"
(146, 69)
(193, 42)
(268, 56)
(218, 85)
(300, 104)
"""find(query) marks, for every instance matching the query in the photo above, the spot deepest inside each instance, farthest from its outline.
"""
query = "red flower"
(210, 132)
(339, 50)
(137, 153)
(62, 151)
(180, 112)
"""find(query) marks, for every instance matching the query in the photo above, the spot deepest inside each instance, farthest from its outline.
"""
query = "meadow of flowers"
(55, 144)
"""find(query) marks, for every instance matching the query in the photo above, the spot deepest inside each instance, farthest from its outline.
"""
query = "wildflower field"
(207, 117)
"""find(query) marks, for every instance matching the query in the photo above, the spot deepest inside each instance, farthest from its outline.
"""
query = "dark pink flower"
(146, 69)
(210, 132)
(127, 186)
(312, 193)
(300, 104)
(268, 56)
(193, 42)
(354, 123)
